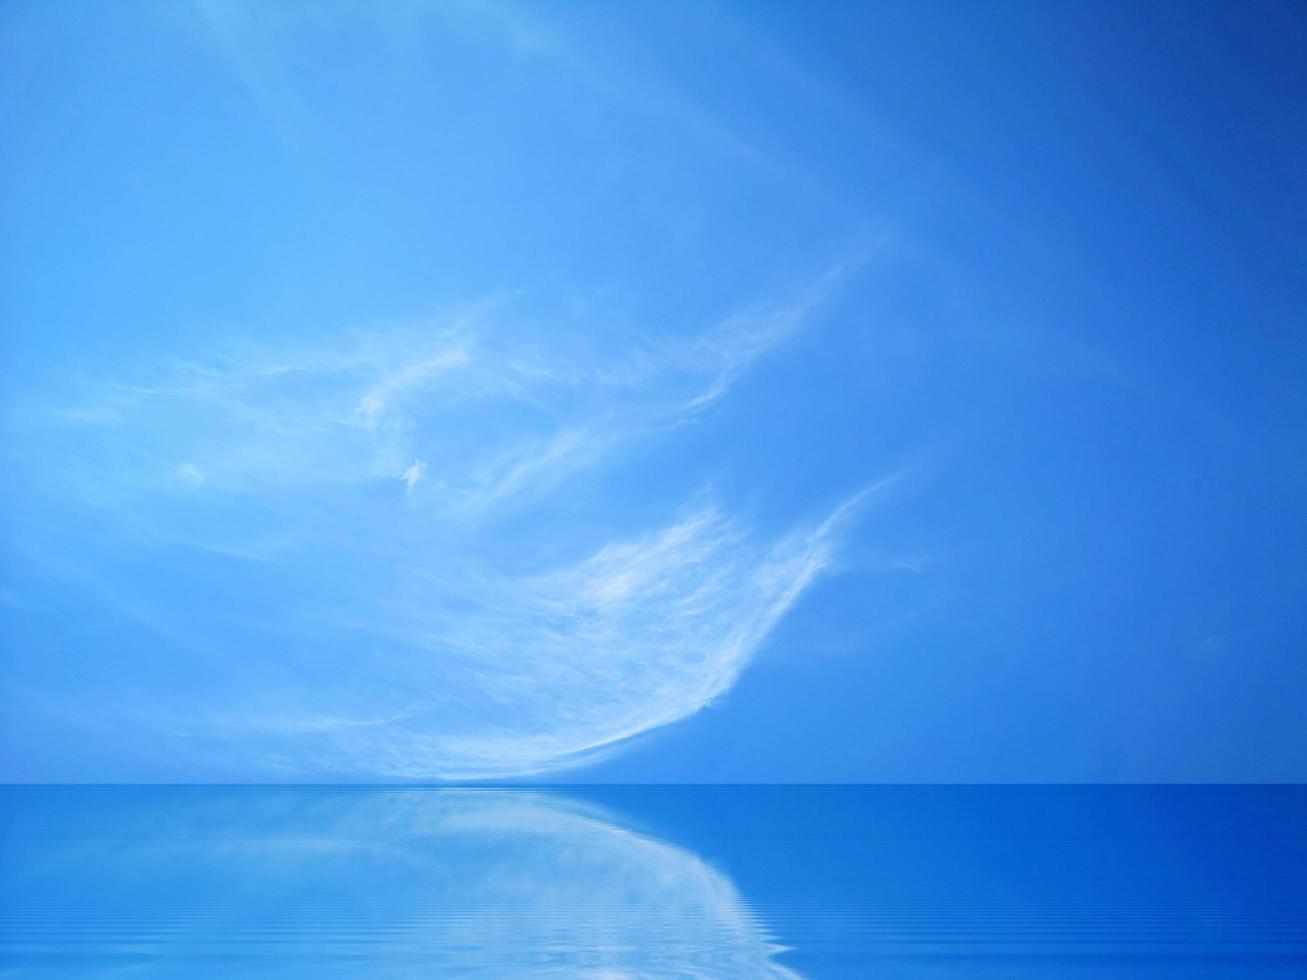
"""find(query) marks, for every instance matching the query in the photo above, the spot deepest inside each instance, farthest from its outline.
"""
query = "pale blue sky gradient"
(653, 392)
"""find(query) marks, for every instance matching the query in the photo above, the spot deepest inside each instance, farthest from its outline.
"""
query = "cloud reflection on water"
(394, 882)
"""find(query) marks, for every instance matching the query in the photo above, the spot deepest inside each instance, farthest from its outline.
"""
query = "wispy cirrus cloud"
(378, 466)
(641, 633)
(491, 416)
(489, 676)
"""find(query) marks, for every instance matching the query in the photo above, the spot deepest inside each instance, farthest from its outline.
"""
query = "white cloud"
(416, 470)
(493, 415)
(190, 475)
(407, 646)
(555, 669)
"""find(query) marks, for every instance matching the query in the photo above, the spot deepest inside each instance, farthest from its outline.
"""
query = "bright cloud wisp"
(403, 593)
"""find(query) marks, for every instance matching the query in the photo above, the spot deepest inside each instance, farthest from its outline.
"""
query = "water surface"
(654, 881)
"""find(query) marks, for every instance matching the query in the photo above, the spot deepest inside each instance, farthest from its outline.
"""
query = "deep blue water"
(655, 881)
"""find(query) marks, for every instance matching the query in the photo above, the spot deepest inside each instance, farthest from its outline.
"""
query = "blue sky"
(671, 392)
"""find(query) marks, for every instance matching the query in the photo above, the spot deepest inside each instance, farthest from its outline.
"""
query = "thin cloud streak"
(363, 407)
(574, 661)
(363, 472)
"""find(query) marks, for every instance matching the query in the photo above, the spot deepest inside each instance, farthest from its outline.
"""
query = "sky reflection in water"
(393, 882)
(655, 881)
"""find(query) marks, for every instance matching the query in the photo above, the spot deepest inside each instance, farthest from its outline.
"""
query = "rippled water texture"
(654, 881)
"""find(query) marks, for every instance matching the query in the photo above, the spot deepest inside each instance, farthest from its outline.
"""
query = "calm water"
(668, 881)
